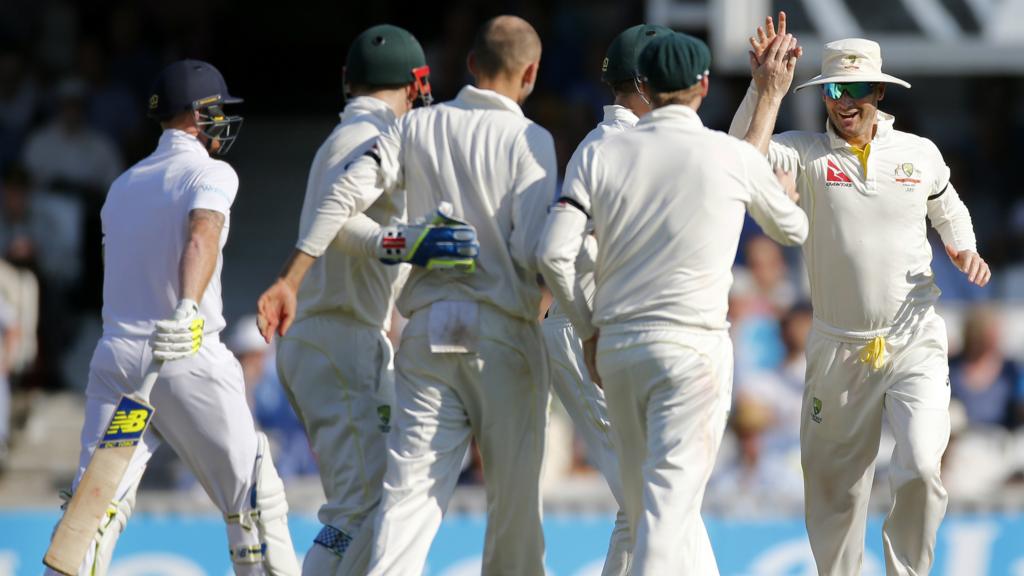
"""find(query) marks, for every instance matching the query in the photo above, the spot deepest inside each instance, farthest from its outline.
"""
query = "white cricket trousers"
(843, 406)
(336, 372)
(499, 395)
(668, 393)
(200, 410)
(585, 403)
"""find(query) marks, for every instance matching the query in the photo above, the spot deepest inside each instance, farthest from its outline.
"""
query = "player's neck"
(503, 85)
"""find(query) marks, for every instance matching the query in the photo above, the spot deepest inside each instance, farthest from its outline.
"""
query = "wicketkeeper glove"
(182, 335)
(444, 242)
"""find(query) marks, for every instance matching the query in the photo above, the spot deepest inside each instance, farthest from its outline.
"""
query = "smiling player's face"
(853, 118)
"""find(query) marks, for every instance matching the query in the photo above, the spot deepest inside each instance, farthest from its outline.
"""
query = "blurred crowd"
(74, 78)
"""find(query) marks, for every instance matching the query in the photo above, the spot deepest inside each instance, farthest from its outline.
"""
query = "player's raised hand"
(764, 35)
(774, 73)
(276, 309)
(971, 264)
(763, 40)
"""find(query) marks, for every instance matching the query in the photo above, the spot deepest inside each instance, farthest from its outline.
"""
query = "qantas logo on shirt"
(835, 174)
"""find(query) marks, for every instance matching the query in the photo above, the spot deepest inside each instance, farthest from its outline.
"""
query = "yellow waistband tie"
(873, 353)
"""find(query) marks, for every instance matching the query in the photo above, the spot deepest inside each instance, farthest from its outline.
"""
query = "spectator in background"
(8, 343)
(34, 243)
(18, 96)
(71, 159)
(779, 391)
(268, 400)
(759, 482)
(990, 386)
(760, 292)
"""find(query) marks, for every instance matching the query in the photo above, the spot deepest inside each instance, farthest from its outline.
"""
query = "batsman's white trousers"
(843, 406)
(668, 393)
(200, 410)
(499, 395)
(336, 371)
(585, 403)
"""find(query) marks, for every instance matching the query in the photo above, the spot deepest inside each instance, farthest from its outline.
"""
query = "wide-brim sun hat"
(852, 60)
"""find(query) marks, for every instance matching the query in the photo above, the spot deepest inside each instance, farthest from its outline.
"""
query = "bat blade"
(98, 486)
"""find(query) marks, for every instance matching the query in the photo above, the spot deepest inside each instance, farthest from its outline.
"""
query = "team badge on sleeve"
(127, 425)
(816, 410)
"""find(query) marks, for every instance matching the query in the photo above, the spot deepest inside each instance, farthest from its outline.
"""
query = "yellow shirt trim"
(862, 155)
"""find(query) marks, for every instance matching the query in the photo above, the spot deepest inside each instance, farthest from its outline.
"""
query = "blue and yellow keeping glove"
(443, 243)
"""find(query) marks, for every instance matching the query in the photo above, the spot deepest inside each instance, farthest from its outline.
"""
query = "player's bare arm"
(199, 259)
(182, 335)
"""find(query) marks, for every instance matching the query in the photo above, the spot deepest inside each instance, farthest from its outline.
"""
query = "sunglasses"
(855, 90)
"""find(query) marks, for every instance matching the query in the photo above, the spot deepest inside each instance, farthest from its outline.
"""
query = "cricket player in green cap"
(332, 304)
(583, 400)
(666, 200)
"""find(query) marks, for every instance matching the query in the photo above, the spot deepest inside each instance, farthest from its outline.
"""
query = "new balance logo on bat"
(128, 424)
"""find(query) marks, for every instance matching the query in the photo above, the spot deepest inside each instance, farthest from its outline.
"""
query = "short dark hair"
(503, 44)
(624, 88)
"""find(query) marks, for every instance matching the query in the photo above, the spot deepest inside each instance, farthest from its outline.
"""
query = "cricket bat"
(98, 486)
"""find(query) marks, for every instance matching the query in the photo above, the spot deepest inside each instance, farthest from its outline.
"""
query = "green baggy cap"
(620, 62)
(674, 62)
(383, 55)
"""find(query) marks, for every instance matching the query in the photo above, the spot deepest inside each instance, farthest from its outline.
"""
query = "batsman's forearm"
(199, 259)
(762, 124)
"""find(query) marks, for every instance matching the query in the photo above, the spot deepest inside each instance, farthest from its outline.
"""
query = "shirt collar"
(613, 113)
(883, 121)
(367, 105)
(672, 113)
(475, 97)
(174, 139)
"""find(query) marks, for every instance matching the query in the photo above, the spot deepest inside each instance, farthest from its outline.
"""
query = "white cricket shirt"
(497, 169)
(145, 229)
(617, 119)
(867, 253)
(338, 282)
(667, 200)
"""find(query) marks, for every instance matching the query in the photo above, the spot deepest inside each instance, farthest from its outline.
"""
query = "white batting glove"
(182, 335)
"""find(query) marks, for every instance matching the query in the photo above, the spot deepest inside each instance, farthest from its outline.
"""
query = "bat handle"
(152, 373)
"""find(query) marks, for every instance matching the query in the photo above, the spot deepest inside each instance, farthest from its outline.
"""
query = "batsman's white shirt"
(338, 282)
(617, 119)
(143, 238)
(663, 208)
(507, 215)
(868, 255)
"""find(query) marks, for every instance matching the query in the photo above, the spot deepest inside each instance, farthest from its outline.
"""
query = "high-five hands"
(773, 57)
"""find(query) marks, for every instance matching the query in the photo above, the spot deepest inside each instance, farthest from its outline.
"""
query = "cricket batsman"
(583, 400)
(667, 201)
(334, 359)
(877, 348)
(165, 221)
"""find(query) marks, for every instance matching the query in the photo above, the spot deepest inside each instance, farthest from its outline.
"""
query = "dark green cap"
(674, 62)
(383, 55)
(620, 63)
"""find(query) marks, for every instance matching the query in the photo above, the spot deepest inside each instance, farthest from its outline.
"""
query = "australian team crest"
(816, 410)
(905, 174)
